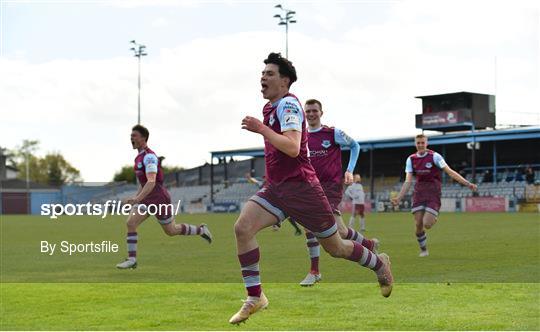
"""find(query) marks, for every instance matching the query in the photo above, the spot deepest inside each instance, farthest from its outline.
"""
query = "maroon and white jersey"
(427, 170)
(284, 115)
(148, 162)
(325, 155)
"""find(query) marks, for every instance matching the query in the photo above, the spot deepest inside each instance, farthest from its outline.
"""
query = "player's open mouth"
(263, 87)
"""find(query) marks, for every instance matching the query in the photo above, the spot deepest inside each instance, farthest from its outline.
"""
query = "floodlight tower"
(139, 51)
(286, 18)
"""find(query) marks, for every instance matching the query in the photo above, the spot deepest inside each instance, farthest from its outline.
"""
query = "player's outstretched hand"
(348, 178)
(252, 124)
(472, 186)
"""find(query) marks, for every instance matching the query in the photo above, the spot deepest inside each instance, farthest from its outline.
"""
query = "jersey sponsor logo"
(272, 120)
(290, 107)
(429, 165)
(326, 143)
(291, 119)
(139, 165)
(317, 153)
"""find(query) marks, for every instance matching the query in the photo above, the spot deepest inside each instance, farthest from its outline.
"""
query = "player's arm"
(290, 116)
(288, 142)
(458, 178)
(404, 188)
(441, 163)
(345, 140)
(407, 184)
(150, 163)
(148, 187)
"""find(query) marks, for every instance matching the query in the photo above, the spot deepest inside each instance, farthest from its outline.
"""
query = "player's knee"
(429, 223)
(343, 232)
(242, 229)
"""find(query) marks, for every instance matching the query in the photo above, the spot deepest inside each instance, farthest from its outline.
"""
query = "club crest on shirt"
(139, 165)
(272, 120)
(326, 143)
(428, 165)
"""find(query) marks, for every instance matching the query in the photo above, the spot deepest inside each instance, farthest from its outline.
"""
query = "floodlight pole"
(28, 201)
(286, 19)
(139, 92)
(139, 51)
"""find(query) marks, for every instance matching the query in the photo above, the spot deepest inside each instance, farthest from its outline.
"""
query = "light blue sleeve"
(150, 162)
(439, 160)
(345, 140)
(408, 166)
(290, 115)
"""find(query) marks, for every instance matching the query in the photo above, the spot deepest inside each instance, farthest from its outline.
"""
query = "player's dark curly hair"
(142, 130)
(286, 67)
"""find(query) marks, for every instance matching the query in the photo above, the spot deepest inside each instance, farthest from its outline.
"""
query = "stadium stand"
(502, 163)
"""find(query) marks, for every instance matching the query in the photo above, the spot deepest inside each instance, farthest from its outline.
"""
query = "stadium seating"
(236, 193)
(512, 189)
(193, 194)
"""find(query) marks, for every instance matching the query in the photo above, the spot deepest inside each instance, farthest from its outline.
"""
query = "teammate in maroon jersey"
(325, 155)
(426, 166)
(152, 192)
(291, 189)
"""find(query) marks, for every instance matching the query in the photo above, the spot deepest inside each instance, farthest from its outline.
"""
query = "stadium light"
(286, 18)
(139, 51)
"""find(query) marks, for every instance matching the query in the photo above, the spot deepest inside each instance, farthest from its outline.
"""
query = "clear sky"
(69, 80)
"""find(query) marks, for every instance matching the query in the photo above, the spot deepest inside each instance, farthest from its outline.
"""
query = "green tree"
(52, 169)
(59, 170)
(126, 173)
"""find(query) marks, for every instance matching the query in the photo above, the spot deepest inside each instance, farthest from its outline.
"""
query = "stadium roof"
(453, 94)
(462, 137)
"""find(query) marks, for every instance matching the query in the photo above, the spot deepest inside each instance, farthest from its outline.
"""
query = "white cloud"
(195, 94)
(160, 22)
(151, 3)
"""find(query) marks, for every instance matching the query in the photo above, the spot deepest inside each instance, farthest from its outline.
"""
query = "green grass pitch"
(483, 273)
